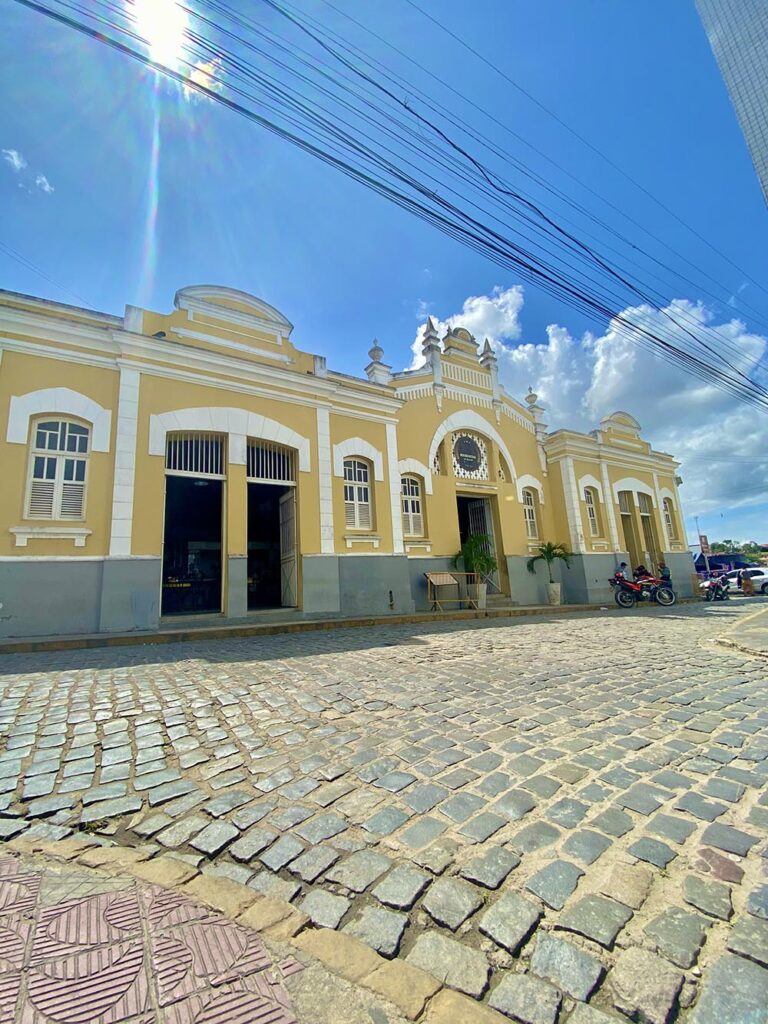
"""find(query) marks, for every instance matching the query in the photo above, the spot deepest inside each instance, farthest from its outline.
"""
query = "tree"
(549, 553)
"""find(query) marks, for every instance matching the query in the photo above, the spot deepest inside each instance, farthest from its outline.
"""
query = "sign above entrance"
(470, 457)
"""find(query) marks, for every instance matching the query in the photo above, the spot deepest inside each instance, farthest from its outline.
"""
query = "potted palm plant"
(549, 553)
(476, 557)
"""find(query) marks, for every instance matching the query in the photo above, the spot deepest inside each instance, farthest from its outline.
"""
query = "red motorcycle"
(627, 593)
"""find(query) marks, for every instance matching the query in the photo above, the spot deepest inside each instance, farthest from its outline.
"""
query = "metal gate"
(481, 524)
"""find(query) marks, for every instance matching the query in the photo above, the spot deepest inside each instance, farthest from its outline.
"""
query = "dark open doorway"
(476, 519)
(192, 546)
(271, 546)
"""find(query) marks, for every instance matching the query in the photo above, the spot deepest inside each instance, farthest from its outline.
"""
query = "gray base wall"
(237, 587)
(375, 585)
(130, 594)
(681, 566)
(49, 597)
(416, 568)
(320, 584)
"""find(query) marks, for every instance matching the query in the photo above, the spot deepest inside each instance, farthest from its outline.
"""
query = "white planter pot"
(553, 593)
(478, 592)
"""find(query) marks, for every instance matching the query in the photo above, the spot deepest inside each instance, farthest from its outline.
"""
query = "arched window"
(358, 511)
(58, 468)
(669, 519)
(413, 510)
(530, 512)
(593, 511)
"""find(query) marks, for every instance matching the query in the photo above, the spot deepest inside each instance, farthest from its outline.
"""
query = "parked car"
(759, 578)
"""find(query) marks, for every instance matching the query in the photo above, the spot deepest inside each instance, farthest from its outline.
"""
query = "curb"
(725, 641)
(416, 994)
(91, 641)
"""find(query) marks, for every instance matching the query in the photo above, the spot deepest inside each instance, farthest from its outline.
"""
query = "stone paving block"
(402, 887)
(451, 1008)
(555, 882)
(457, 778)
(451, 962)
(569, 968)
(491, 867)
(381, 929)
(586, 845)
(568, 812)
(757, 902)
(287, 817)
(394, 781)
(510, 921)
(461, 806)
(111, 791)
(749, 938)
(670, 826)
(324, 909)
(670, 779)
(494, 784)
(313, 862)
(360, 870)
(732, 840)
(424, 796)
(227, 802)
(252, 843)
(597, 918)
(541, 785)
(450, 902)
(699, 807)
(720, 865)
(711, 898)
(280, 854)
(111, 809)
(214, 837)
(162, 794)
(342, 954)
(513, 805)
(269, 884)
(483, 826)
(652, 851)
(644, 986)
(534, 837)
(628, 883)
(526, 999)
(324, 826)
(422, 832)
(678, 934)
(722, 789)
(437, 857)
(223, 895)
(613, 822)
(385, 822)
(584, 1014)
(734, 991)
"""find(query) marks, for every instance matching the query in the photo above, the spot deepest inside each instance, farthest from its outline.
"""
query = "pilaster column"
(610, 510)
(394, 490)
(325, 482)
(125, 462)
(572, 511)
(660, 509)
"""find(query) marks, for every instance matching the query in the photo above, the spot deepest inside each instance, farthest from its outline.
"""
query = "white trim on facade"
(201, 298)
(406, 466)
(613, 529)
(125, 462)
(78, 534)
(63, 401)
(239, 424)
(590, 481)
(631, 483)
(357, 446)
(527, 480)
(667, 540)
(572, 504)
(237, 346)
(469, 420)
(327, 538)
(394, 490)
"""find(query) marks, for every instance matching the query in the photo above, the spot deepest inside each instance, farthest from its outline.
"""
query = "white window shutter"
(41, 499)
(72, 500)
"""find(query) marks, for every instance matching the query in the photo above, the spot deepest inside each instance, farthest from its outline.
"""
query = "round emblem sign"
(467, 453)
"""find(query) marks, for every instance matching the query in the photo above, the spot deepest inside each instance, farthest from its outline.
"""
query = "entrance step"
(500, 601)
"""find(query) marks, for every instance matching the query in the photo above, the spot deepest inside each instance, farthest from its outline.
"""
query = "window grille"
(669, 518)
(625, 503)
(481, 473)
(195, 454)
(529, 511)
(270, 463)
(413, 517)
(58, 470)
(357, 495)
(436, 462)
(589, 499)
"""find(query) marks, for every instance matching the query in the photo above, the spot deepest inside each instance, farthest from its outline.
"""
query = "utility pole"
(706, 556)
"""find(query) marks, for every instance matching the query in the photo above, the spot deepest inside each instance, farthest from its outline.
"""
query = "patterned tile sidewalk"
(125, 952)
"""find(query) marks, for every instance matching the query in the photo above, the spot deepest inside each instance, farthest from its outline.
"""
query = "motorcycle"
(716, 589)
(627, 593)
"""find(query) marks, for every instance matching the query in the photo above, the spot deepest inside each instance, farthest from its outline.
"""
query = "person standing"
(747, 586)
(665, 574)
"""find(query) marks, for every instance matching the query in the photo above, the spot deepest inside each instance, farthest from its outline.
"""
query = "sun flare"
(162, 24)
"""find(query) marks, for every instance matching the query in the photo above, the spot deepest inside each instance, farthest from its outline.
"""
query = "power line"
(580, 137)
(14, 255)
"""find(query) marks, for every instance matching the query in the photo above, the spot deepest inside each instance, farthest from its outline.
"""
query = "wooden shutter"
(41, 499)
(72, 500)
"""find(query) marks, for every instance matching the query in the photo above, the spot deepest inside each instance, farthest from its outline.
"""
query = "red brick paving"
(140, 955)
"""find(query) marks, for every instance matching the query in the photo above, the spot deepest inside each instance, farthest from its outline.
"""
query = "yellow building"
(198, 463)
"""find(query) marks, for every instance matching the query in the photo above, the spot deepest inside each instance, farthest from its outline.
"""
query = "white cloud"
(15, 159)
(42, 183)
(721, 442)
(493, 316)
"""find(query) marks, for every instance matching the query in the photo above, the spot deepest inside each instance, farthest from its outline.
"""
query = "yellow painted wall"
(20, 374)
(343, 427)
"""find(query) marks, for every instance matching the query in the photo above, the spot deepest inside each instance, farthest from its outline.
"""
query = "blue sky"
(237, 206)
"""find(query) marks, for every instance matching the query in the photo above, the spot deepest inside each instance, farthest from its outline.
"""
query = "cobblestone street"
(542, 814)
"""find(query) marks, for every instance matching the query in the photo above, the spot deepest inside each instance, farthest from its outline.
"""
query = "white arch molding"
(466, 419)
(351, 446)
(238, 424)
(665, 492)
(590, 481)
(416, 468)
(61, 401)
(530, 482)
(631, 483)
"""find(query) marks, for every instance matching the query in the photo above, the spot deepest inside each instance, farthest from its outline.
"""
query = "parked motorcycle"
(716, 589)
(627, 593)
